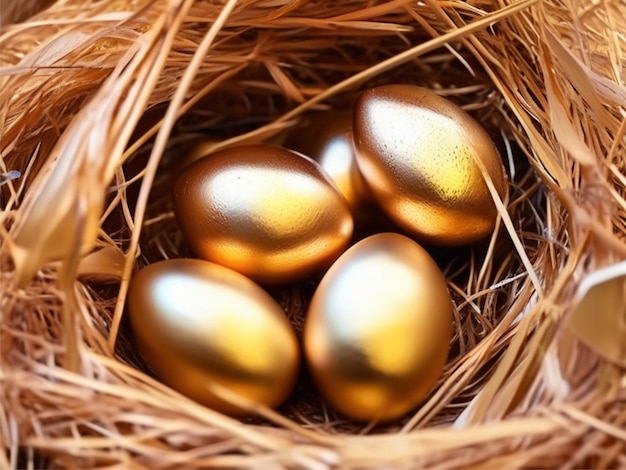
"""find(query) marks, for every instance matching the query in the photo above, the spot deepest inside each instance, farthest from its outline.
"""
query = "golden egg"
(328, 140)
(263, 211)
(418, 153)
(378, 329)
(200, 325)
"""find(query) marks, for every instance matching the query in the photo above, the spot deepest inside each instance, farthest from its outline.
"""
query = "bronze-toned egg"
(328, 140)
(378, 329)
(200, 325)
(418, 153)
(263, 211)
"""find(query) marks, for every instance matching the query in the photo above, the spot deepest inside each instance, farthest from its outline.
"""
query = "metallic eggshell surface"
(263, 211)
(199, 325)
(328, 140)
(418, 153)
(378, 329)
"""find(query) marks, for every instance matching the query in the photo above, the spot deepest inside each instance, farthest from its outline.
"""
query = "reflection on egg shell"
(328, 140)
(263, 211)
(378, 329)
(418, 153)
(200, 325)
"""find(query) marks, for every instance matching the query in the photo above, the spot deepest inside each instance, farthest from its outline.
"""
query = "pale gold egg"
(378, 328)
(201, 326)
(327, 139)
(421, 155)
(263, 211)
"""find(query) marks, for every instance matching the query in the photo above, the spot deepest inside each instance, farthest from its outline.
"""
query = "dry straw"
(91, 99)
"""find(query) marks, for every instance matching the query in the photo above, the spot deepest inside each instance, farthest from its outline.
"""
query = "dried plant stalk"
(98, 102)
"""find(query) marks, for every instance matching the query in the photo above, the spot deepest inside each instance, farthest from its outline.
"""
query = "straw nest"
(99, 100)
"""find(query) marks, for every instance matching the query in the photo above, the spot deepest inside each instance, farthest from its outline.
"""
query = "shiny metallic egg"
(328, 140)
(421, 156)
(378, 328)
(263, 211)
(203, 327)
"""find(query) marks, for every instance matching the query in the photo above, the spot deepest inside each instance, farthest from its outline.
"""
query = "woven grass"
(100, 102)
